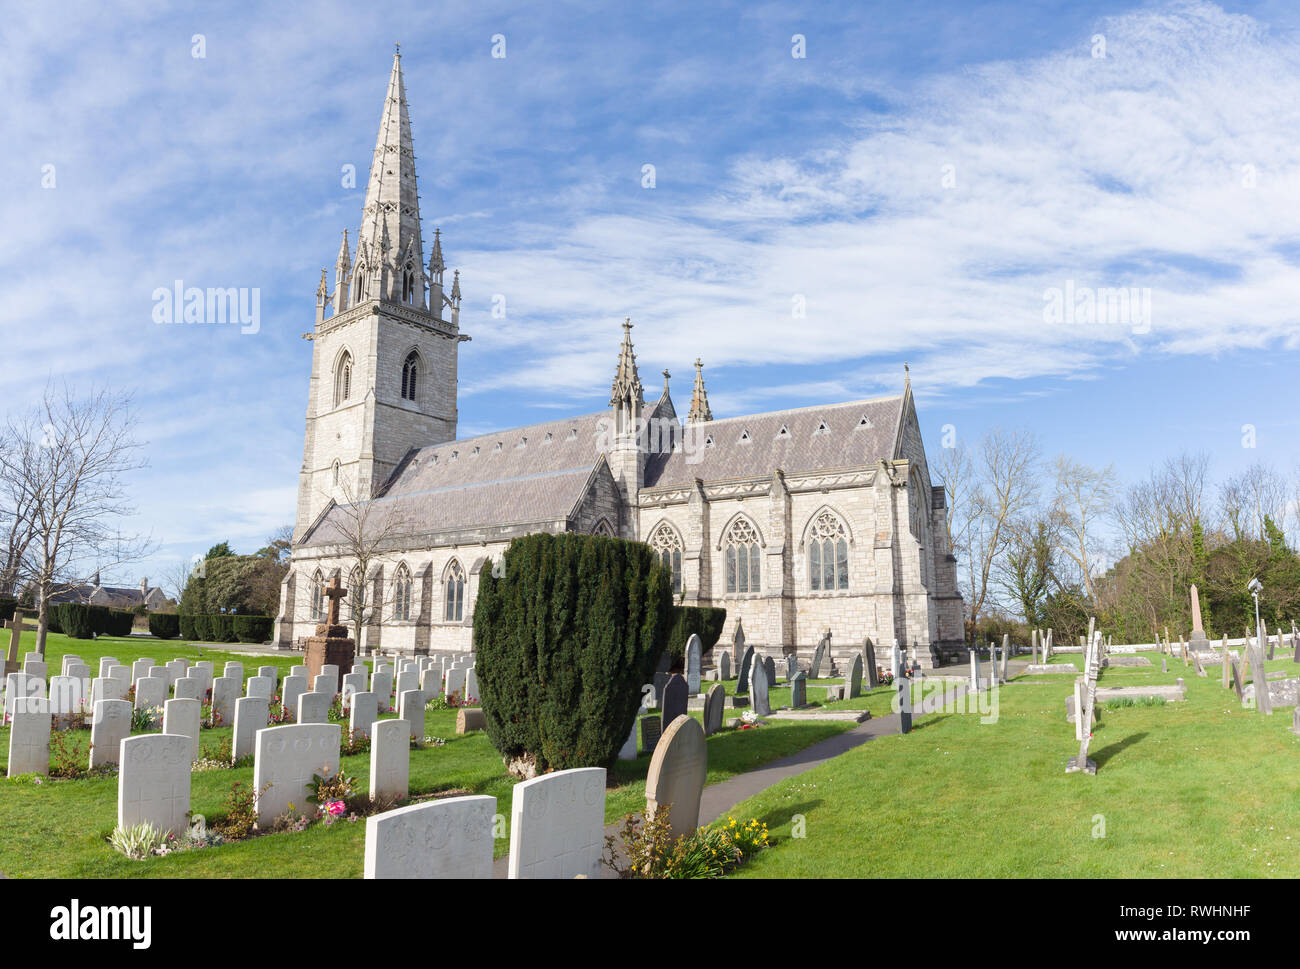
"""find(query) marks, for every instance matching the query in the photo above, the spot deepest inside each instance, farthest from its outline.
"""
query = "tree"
(1084, 496)
(1029, 570)
(70, 456)
(16, 521)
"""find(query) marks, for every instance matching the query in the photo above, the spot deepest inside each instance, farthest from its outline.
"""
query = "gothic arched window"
(318, 597)
(667, 545)
(453, 592)
(402, 593)
(743, 565)
(409, 370)
(336, 473)
(408, 284)
(361, 285)
(603, 528)
(828, 554)
(343, 379)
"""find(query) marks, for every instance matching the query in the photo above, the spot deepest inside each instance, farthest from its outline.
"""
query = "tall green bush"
(253, 629)
(164, 625)
(120, 622)
(702, 621)
(76, 620)
(564, 640)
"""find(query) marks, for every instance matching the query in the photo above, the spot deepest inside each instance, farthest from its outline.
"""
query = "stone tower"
(385, 346)
(626, 452)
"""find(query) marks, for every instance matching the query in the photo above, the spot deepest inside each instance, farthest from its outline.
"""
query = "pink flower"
(335, 808)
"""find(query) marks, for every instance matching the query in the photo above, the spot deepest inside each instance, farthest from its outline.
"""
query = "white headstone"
(455, 683)
(150, 692)
(67, 696)
(287, 759)
(20, 686)
(331, 673)
(36, 668)
(314, 707)
(300, 670)
(188, 688)
(411, 709)
(29, 735)
(259, 686)
(364, 712)
(352, 683)
(110, 725)
(450, 838)
(225, 691)
(251, 713)
(236, 669)
(271, 672)
(105, 662)
(106, 688)
(471, 685)
(294, 687)
(390, 758)
(381, 685)
(140, 669)
(407, 680)
(557, 825)
(153, 784)
(694, 658)
(431, 681)
(181, 717)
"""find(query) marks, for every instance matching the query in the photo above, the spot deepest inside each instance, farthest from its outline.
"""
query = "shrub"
(138, 841)
(222, 628)
(120, 622)
(76, 620)
(253, 629)
(564, 640)
(699, 621)
(52, 621)
(185, 623)
(165, 625)
(99, 619)
(202, 628)
(710, 852)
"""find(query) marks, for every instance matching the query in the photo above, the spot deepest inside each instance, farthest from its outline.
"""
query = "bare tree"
(1084, 496)
(1246, 499)
(70, 454)
(15, 520)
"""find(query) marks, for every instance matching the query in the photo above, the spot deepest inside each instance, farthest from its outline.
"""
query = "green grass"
(1195, 788)
(59, 828)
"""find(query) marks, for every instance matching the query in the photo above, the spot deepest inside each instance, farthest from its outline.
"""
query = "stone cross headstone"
(557, 825)
(251, 713)
(819, 655)
(673, 704)
(714, 707)
(1092, 666)
(676, 776)
(742, 674)
(111, 725)
(694, 659)
(853, 681)
(153, 782)
(799, 691)
(364, 713)
(390, 758)
(29, 735)
(758, 691)
(287, 759)
(449, 838)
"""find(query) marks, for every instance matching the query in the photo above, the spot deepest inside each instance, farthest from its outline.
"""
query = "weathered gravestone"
(819, 655)
(450, 838)
(676, 777)
(251, 714)
(557, 825)
(181, 717)
(869, 662)
(153, 782)
(758, 690)
(1263, 703)
(1092, 665)
(651, 730)
(853, 682)
(1006, 656)
(364, 712)
(724, 665)
(287, 759)
(742, 673)
(111, 725)
(313, 707)
(29, 735)
(673, 703)
(390, 759)
(715, 705)
(799, 691)
(904, 687)
(769, 667)
(660, 681)
(694, 659)
(791, 666)
(1238, 680)
(737, 646)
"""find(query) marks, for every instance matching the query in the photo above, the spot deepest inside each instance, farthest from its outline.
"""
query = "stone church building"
(796, 522)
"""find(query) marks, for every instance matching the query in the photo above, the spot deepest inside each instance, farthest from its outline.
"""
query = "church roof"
(817, 438)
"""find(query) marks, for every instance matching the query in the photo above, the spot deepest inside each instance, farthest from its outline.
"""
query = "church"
(797, 522)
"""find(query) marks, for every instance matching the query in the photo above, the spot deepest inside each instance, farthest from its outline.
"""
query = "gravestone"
(188, 688)
(174, 670)
(140, 669)
(449, 838)
(737, 645)
(287, 758)
(364, 712)
(313, 707)
(895, 661)
(471, 685)
(270, 672)
(557, 825)
(105, 688)
(799, 691)
(251, 714)
(390, 759)
(456, 683)
(410, 708)
(181, 717)
(974, 671)
(105, 662)
(853, 681)
(431, 681)
(36, 668)
(677, 773)
(694, 659)
(15, 626)
(715, 705)
(869, 659)
(111, 725)
(1200, 667)
(29, 735)
(1238, 680)
(651, 730)
(660, 681)
(225, 691)
(236, 669)
(757, 691)
(293, 688)
(742, 673)
(67, 697)
(381, 685)
(150, 692)
(1263, 703)
(724, 665)
(1006, 655)
(153, 782)
(407, 680)
(259, 686)
(791, 666)
(352, 683)
(300, 670)
(769, 667)
(1088, 699)
(904, 687)
(819, 655)
(673, 704)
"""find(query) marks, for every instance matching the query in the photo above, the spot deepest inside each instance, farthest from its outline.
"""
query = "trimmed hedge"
(253, 629)
(76, 620)
(705, 622)
(563, 641)
(224, 628)
(164, 625)
(120, 622)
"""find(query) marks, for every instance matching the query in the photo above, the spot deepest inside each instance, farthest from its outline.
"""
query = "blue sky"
(921, 178)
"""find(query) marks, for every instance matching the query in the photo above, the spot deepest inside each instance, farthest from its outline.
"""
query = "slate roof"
(804, 439)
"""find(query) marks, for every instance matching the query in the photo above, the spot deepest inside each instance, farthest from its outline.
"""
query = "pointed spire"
(342, 275)
(667, 377)
(907, 378)
(627, 383)
(455, 288)
(436, 265)
(699, 398)
(390, 218)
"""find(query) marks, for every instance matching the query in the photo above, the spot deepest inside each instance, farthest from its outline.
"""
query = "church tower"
(385, 345)
(627, 453)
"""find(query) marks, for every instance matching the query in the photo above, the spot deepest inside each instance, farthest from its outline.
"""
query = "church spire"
(626, 388)
(699, 398)
(342, 275)
(390, 218)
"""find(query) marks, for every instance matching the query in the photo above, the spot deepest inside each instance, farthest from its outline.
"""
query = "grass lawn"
(1199, 788)
(58, 828)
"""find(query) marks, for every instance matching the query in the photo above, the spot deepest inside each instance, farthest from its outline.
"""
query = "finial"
(698, 364)
(627, 323)
(397, 50)
(666, 376)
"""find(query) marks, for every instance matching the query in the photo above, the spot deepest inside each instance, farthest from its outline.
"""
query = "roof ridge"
(811, 407)
(511, 430)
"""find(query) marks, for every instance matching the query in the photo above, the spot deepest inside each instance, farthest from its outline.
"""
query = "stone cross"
(335, 591)
(1092, 665)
